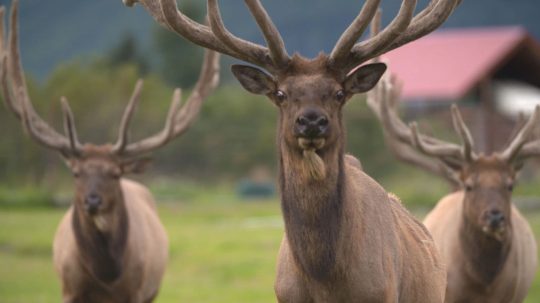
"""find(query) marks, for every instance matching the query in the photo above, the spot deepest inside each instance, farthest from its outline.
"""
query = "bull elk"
(346, 239)
(110, 245)
(488, 247)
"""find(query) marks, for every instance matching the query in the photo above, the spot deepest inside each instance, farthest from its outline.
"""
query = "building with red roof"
(487, 70)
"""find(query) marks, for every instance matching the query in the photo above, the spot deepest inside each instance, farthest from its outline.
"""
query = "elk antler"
(387, 92)
(346, 54)
(15, 91)
(521, 147)
(383, 101)
(217, 37)
(16, 97)
(402, 30)
(178, 119)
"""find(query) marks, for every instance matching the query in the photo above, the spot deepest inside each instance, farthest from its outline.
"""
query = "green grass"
(24, 197)
(220, 252)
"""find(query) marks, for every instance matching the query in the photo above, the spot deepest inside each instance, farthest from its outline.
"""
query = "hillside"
(57, 30)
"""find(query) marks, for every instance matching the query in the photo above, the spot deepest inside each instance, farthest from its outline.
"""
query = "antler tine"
(464, 134)
(518, 125)
(530, 149)
(376, 44)
(273, 38)
(354, 31)
(445, 150)
(161, 138)
(375, 28)
(2, 41)
(390, 119)
(519, 146)
(180, 118)
(243, 49)
(404, 28)
(398, 130)
(15, 92)
(217, 37)
(208, 81)
(35, 132)
(15, 71)
(123, 131)
(404, 151)
(425, 22)
(204, 36)
(154, 8)
(69, 126)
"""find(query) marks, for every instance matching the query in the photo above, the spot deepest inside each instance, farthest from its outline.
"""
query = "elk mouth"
(91, 210)
(311, 143)
(498, 232)
(313, 166)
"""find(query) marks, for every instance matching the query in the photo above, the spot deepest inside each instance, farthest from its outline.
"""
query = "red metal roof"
(446, 65)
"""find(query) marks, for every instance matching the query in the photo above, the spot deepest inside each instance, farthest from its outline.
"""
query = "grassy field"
(220, 252)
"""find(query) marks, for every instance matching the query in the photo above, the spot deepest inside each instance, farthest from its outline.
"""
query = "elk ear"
(254, 80)
(136, 165)
(364, 78)
(71, 163)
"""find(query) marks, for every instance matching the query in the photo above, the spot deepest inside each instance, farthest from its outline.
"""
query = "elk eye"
(510, 187)
(114, 174)
(340, 95)
(76, 174)
(468, 187)
(280, 96)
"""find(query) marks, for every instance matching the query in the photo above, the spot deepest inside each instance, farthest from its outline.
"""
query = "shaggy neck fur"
(485, 256)
(102, 241)
(312, 208)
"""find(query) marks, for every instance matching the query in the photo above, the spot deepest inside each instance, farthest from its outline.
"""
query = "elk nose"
(93, 201)
(311, 124)
(495, 218)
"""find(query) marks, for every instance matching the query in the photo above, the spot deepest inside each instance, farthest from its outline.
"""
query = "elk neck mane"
(101, 253)
(312, 210)
(486, 256)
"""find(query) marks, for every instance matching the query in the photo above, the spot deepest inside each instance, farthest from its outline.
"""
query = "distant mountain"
(56, 30)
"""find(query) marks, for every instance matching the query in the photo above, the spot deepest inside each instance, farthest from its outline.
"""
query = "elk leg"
(289, 286)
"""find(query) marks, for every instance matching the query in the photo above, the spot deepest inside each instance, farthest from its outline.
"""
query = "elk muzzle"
(311, 124)
(495, 218)
(494, 223)
(92, 202)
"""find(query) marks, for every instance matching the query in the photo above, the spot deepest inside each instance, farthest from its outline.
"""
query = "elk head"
(487, 180)
(97, 169)
(310, 93)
